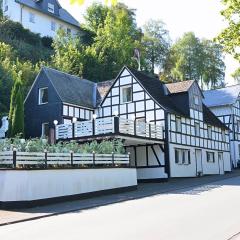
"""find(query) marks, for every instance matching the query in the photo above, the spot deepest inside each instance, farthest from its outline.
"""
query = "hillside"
(21, 54)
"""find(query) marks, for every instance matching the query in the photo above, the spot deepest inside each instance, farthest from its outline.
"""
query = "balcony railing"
(112, 125)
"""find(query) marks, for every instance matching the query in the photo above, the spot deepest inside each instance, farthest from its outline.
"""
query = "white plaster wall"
(234, 149)
(151, 173)
(26, 185)
(42, 23)
(189, 170)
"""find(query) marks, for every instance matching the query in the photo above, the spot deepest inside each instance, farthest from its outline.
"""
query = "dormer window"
(50, 8)
(126, 94)
(43, 96)
(196, 100)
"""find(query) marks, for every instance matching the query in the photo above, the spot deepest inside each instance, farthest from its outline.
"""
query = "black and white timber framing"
(195, 141)
(225, 103)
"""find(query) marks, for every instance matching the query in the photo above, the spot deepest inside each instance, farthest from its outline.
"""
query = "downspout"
(21, 10)
(166, 147)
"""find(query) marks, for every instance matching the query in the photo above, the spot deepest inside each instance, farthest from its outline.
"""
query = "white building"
(225, 103)
(167, 129)
(40, 16)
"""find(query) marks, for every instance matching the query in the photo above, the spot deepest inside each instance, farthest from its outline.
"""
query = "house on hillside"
(225, 103)
(166, 128)
(41, 16)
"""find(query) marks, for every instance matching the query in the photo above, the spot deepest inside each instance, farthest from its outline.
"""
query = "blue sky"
(200, 16)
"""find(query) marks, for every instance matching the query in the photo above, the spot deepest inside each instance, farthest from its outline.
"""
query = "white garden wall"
(31, 185)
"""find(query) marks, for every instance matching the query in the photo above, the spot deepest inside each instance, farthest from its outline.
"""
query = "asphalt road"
(205, 212)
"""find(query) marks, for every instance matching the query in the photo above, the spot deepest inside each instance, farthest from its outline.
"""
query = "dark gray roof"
(72, 89)
(42, 6)
(160, 93)
(222, 96)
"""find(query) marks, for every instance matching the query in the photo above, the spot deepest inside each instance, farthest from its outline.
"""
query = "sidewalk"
(144, 190)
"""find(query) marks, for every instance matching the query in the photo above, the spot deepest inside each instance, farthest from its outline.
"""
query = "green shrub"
(40, 145)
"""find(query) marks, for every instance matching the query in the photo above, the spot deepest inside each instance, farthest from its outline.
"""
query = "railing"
(45, 159)
(103, 126)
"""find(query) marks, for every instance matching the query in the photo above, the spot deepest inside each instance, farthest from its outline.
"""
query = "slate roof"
(179, 87)
(222, 96)
(72, 89)
(158, 91)
(210, 118)
(41, 6)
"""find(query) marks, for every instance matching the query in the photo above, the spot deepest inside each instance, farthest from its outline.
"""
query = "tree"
(16, 113)
(156, 43)
(81, 2)
(230, 37)
(192, 58)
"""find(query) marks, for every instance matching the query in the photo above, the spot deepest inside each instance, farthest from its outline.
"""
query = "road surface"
(207, 212)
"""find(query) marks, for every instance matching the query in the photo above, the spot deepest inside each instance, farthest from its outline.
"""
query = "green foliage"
(27, 45)
(192, 58)
(236, 76)
(156, 43)
(16, 114)
(230, 37)
(39, 145)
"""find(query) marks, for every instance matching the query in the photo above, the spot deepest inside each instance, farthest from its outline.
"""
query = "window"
(182, 156)
(5, 6)
(43, 96)
(45, 129)
(53, 26)
(210, 157)
(197, 129)
(126, 94)
(50, 8)
(69, 31)
(223, 136)
(209, 129)
(238, 125)
(178, 124)
(31, 17)
(196, 99)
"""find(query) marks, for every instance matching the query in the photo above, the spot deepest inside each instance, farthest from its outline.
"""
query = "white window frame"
(196, 100)
(209, 160)
(53, 26)
(39, 96)
(178, 124)
(51, 8)
(122, 89)
(184, 156)
(197, 133)
(31, 17)
(43, 129)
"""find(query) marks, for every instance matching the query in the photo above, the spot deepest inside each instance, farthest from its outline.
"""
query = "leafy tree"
(95, 16)
(192, 58)
(236, 76)
(156, 43)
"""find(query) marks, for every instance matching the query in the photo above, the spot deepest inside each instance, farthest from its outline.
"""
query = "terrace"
(112, 127)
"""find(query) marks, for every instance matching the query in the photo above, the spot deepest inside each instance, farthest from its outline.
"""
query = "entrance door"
(199, 167)
(221, 163)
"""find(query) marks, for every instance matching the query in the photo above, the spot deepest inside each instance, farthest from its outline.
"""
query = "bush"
(39, 145)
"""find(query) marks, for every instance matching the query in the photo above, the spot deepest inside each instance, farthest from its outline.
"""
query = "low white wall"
(151, 173)
(28, 185)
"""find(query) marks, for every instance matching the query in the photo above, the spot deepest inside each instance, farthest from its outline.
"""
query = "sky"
(180, 16)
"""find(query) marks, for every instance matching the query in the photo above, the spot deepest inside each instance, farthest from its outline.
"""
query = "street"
(207, 212)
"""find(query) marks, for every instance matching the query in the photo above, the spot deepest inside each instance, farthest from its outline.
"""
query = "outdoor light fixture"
(133, 117)
(55, 122)
(94, 116)
(115, 113)
(74, 120)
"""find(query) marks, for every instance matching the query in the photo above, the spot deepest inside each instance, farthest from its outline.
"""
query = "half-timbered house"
(166, 128)
(225, 103)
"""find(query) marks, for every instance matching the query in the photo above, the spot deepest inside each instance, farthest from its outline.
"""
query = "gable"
(142, 105)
